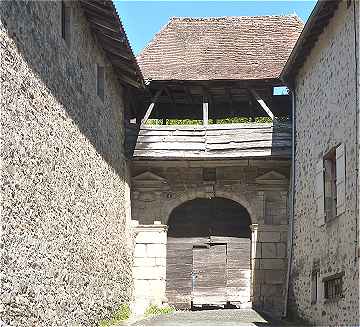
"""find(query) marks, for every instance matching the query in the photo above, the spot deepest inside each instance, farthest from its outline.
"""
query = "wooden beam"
(189, 98)
(262, 104)
(151, 106)
(205, 113)
(230, 98)
(170, 95)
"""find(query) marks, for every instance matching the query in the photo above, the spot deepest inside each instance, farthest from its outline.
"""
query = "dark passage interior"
(208, 254)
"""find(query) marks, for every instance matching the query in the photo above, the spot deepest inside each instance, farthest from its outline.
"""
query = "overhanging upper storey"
(218, 75)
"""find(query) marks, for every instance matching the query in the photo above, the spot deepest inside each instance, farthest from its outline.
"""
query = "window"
(209, 174)
(315, 285)
(100, 81)
(333, 286)
(65, 23)
(330, 185)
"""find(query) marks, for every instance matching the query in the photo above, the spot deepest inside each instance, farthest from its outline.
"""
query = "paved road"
(223, 317)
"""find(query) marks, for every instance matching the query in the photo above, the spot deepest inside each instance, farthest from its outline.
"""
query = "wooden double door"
(208, 254)
(208, 272)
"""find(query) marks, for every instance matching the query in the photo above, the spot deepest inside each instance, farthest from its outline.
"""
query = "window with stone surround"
(66, 23)
(330, 185)
(333, 286)
(100, 81)
(315, 282)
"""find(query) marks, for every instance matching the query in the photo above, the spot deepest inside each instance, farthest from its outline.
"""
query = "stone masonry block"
(160, 262)
(281, 250)
(144, 262)
(258, 250)
(272, 264)
(268, 250)
(156, 250)
(146, 273)
(269, 236)
(275, 276)
(140, 251)
(145, 237)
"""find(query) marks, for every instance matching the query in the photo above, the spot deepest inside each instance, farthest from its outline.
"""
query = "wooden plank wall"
(213, 141)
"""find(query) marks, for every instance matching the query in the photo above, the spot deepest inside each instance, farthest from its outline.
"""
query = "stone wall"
(65, 240)
(325, 116)
(259, 186)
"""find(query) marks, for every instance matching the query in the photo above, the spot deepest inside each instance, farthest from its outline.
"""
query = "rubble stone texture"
(65, 239)
(325, 115)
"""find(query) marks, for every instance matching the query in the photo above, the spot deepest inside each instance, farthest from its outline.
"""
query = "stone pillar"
(269, 275)
(254, 229)
(149, 270)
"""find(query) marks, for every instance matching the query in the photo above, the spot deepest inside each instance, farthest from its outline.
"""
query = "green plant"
(153, 310)
(121, 314)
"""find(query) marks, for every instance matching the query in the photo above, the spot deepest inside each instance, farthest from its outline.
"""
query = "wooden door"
(209, 274)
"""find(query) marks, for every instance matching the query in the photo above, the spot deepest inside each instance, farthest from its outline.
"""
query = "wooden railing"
(209, 142)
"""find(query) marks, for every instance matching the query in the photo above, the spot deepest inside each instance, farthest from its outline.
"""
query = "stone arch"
(192, 195)
(208, 252)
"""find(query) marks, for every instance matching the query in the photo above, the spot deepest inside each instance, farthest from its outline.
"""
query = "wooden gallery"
(210, 200)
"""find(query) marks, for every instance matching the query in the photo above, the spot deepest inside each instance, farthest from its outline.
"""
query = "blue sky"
(142, 19)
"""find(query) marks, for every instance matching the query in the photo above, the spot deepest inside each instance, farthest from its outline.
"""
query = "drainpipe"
(357, 119)
(291, 204)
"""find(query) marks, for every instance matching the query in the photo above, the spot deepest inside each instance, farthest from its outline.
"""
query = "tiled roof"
(221, 48)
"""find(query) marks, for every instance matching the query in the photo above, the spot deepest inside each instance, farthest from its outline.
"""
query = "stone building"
(210, 200)
(66, 244)
(323, 72)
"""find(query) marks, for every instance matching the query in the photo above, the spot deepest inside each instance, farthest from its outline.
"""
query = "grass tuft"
(153, 310)
(121, 314)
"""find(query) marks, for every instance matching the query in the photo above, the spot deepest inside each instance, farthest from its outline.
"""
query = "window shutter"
(340, 179)
(319, 193)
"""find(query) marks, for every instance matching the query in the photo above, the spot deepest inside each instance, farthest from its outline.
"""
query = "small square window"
(333, 286)
(100, 81)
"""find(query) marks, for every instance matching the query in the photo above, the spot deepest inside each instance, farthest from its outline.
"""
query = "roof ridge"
(231, 17)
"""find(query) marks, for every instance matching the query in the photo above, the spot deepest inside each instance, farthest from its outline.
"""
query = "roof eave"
(317, 21)
(105, 23)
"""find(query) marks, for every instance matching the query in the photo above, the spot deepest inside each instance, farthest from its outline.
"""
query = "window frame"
(333, 278)
(66, 19)
(329, 163)
(100, 89)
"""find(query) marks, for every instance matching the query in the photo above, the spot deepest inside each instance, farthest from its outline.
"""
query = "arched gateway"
(208, 253)
(205, 131)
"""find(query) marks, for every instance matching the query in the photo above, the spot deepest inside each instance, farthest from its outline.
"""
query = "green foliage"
(153, 310)
(230, 120)
(121, 314)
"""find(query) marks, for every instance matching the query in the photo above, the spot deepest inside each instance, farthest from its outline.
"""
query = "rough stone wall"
(159, 187)
(325, 117)
(65, 208)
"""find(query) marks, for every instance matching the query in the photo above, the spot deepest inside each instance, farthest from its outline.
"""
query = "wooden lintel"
(262, 103)
(151, 106)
